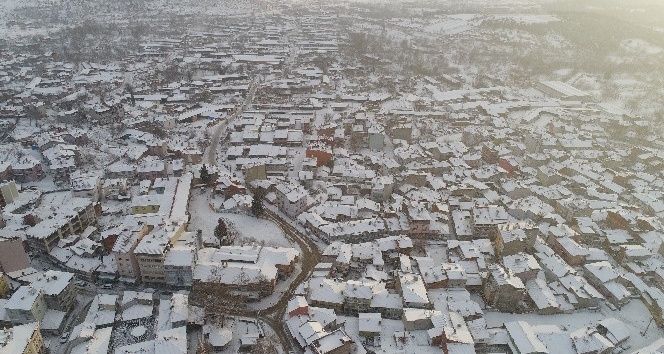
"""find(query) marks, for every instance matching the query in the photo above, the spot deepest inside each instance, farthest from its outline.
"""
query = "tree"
(205, 175)
(221, 231)
(257, 206)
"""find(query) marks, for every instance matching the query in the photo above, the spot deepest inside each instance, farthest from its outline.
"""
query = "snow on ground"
(635, 315)
(261, 230)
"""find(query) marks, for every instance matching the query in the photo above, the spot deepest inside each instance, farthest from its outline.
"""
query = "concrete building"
(57, 288)
(71, 218)
(22, 339)
(150, 252)
(26, 305)
(291, 199)
(5, 287)
(123, 251)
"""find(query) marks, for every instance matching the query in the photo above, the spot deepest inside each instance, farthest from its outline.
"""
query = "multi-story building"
(291, 199)
(5, 288)
(57, 288)
(26, 305)
(357, 296)
(151, 252)
(8, 192)
(22, 339)
(419, 220)
(68, 219)
(86, 186)
(180, 261)
(123, 251)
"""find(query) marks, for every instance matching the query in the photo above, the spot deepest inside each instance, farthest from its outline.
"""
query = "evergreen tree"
(205, 175)
(221, 231)
(257, 205)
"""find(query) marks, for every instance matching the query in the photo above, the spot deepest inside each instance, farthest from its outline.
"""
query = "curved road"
(274, 314)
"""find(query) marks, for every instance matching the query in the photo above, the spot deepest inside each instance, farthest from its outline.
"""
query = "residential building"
(22, 339)
(123, 250)
(503, 290)
(26, 305)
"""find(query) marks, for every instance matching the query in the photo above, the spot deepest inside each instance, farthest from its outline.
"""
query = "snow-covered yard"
(249, 228)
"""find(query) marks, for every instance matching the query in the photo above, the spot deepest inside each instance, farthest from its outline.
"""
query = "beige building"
(58, 289)
(26, 305)
(151, 252)
(5, 288)
(71, 218)
(25, 339)
(123, 251)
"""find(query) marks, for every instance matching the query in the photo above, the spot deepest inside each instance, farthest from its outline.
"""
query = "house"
(370, 327)
(606, 279)
(291, 199)
(336, 342)
(503, 290)
(86, 186)
(414, 293)
(513, 241)
(522, 339)
(522, 265)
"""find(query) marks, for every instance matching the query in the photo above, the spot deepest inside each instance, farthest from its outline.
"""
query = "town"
(266, 176)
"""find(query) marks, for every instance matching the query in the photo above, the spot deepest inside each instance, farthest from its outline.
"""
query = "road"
(216, 136)
(274, 314)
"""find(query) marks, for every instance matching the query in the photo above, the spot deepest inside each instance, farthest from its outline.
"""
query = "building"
(5, 287)
(123, 251)
(69, 219)
(57, 288)
(86, 186)
(151, 250)
(22, 339)
(250, 271)
(12, 253)
(503, 290)
(419, 220)
(26, 305)
(291, 199)
(180, 261)
(8, 193)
